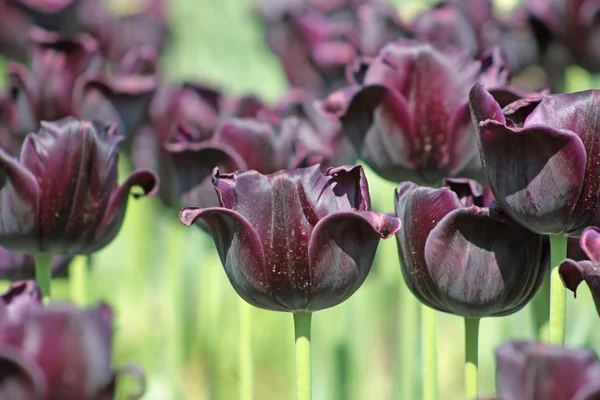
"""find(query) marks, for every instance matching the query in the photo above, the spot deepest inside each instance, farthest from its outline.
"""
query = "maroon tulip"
(71, 358)
(296, 240)
(65, 80)
(569, 26)
(460, 254)
(12, 25)
(61, 195)
(541, 158)
(316, 40)
(16, 266)
(535, 371)
(397, 121)
(573, 272)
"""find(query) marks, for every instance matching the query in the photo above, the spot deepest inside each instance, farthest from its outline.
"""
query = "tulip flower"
(396, 120)
(61, 195)
(297, 241)
(554, 189)
(460, 254)
(12, 25)
(15, 266)
(72, 358)
(573, 272)
(194, 131)
(65, 80)
(316, 40)
(532, 371)
(567, 29)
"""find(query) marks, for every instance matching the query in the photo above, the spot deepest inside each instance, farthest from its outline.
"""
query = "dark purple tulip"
(461, 255)
(20, 298)
(535, 371)
(45, 92)
(16, 266)
(541, 158)
(573, 272)
(296, 240)
(12, 25)
(61, 196)
(316, 40)
(397, 121)
(144, 31)
(67, 17)
(572, 25)
(59, 352)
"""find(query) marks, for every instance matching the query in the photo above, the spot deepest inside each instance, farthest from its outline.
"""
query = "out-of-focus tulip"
(535, 371)
(16, 266)
(61, 196)
(461, 255)
(572, 25)
(296, 240)
(12, 25)
(408, 114)
(573, 272)
(195, 131)
(541, 158)
(65, 80)
(316, 40)
(72, 356)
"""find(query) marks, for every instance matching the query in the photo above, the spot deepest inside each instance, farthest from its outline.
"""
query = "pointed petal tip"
(145, 179)
(189, 215)
(571, 275)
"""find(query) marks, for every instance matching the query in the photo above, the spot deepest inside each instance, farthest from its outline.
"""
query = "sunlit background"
(156, 265)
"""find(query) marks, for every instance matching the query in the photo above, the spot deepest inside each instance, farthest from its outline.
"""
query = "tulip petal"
(115, 211)
(19, 205)
(123, 100)
(341, 251)
(186, 172)
(19, 299)
(420, 209)
(20, 379)
(471, 258)
(573, 273)
(590, 244)
(527, 370)
(241, 252)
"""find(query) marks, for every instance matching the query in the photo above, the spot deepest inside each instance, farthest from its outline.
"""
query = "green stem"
(558, 252)
(409, 342)
(471, 357)
(78, 277)
(303, 378)
(43, 273)
(246, 353)
(429, 349)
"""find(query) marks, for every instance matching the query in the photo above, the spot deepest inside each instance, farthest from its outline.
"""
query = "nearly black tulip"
(71, 358)
(66, 80)
(408, 115)
(61, 196)
(15, 266)
(316, 40)
(296, 240)
(541, 157)
(573, 272)
(460, 256)
(535, 371)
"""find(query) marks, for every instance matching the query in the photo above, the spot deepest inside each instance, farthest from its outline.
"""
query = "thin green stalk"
(246, 352)
(78, 279)
(429, 349)
(409, 342)
(471, 357)
(175, 291)
(303, 378)
(558, 252)
(43, 273)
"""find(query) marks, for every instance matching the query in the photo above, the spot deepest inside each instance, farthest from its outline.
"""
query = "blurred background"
(355, 349)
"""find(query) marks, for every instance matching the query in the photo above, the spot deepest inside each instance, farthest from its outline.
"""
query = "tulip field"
(299, 199)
